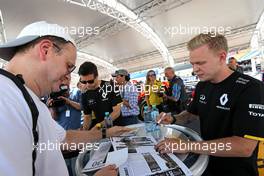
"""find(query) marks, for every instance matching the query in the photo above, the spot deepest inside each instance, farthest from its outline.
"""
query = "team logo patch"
(202, 99)
(256, 106)
(242, 81)
(91, 101)
(223, 99)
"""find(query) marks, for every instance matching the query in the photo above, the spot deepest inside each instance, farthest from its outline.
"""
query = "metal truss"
(99, 61)
(2, 38)
(145, 67)
(144, 12)
(156, 7)
(2, 29)
(118, 11)
(109, 29)
(235, 33)
(257, 40)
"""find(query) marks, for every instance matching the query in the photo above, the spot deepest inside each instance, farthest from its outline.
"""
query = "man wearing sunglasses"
(100, 96)
(40, 59)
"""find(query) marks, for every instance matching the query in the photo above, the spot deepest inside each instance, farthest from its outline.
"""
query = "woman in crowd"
(153, 91)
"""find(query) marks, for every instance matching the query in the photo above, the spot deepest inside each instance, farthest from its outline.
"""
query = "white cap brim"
(8, 49)
(30, 33)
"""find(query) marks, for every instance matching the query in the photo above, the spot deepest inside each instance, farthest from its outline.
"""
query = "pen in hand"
(162, 117)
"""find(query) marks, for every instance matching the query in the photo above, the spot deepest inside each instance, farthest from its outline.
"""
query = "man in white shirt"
(44, 55)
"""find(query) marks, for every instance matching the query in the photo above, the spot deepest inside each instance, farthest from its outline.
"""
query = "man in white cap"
(41, 57)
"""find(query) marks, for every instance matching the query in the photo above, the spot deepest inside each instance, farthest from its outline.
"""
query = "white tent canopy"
(120, 46)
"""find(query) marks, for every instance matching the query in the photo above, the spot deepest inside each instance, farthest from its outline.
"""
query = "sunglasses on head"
(88, 81)
(151, 74)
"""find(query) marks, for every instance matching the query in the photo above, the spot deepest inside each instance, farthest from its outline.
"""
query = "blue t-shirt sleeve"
(176, 91)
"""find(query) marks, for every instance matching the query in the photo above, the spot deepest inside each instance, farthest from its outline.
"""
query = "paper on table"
(133, 143)
(185, 169)
(142, 158)
(97, 159)
(152, 165)
(133, 132)
(118, 157)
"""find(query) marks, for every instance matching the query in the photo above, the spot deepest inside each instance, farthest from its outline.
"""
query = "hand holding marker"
(162, 117)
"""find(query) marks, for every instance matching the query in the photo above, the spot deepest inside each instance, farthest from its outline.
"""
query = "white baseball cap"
(30, 33)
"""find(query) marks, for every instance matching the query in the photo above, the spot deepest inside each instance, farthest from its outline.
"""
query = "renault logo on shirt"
(223, 99)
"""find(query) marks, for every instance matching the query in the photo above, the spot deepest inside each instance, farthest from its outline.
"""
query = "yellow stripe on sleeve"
(254, 138)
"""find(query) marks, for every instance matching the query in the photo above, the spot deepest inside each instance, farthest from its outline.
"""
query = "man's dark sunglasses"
(88, 81)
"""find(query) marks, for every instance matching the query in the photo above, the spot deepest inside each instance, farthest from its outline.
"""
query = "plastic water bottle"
(108, 120)
(154, 115)
(147, 119)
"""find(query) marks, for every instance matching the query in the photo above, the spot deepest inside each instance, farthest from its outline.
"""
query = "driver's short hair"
(215, 42)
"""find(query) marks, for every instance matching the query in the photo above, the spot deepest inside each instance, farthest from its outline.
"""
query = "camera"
(55, 96)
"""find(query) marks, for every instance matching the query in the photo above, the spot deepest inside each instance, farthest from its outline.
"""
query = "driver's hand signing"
(164, 118)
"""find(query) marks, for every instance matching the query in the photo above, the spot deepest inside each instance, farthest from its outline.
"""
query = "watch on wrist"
(174, 119)
(103, 132)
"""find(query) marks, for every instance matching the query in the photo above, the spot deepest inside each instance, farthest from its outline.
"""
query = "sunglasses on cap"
(88, 81)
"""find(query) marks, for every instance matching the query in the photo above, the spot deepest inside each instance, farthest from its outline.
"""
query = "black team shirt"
(233, 107)
(100, 100)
